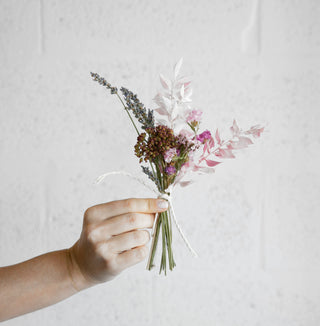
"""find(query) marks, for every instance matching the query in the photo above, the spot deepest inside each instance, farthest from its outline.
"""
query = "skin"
(111, 241)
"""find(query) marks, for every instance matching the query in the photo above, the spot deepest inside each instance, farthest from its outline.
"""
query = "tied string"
(166, 196)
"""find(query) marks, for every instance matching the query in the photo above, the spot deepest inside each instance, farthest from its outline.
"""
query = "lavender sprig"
(151, 176)
(146, 118)
(96, 77)
(114, 90)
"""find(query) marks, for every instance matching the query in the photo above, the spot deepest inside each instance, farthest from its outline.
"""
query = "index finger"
(100, 212)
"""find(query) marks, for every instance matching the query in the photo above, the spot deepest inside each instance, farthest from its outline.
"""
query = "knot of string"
(167, 196)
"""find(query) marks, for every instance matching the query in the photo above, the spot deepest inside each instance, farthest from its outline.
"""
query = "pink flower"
(170, 170)
(206, 135)
(170, 154)
(194, 115)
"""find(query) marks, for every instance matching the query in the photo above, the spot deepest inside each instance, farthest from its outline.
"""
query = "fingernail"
(162, 203)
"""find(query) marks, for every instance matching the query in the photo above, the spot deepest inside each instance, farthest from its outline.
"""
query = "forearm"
(37, 283)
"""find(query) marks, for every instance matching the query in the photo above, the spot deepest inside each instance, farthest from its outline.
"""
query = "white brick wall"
(255, 222)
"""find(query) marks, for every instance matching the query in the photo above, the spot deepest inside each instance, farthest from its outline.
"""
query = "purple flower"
(206, 135)
(170, 170)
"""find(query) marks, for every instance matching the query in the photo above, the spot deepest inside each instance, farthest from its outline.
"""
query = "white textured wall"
(255, 222)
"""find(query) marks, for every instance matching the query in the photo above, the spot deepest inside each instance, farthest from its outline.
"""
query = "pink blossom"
(194, 115)
(206, 135)
(170, 154)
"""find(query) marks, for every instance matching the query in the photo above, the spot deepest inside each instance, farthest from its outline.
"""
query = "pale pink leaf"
(255, 131)
(211, 143)
(204, 170)
(235, 129)
(205, 147)
(224, 153)
(212, 163)
(243, 142)
(218, 137)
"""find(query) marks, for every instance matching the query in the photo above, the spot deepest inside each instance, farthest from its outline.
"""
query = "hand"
(111, 241)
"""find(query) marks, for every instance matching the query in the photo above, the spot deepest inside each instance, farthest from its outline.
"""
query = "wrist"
(78, 280)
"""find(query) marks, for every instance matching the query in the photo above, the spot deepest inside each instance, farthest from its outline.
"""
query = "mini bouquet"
(173, 145)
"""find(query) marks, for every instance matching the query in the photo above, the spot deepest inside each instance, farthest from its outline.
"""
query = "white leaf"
(184, 79)
(161, 111)
(182, 91)
(188, 92)
(162, 122)
(186, 100)
(175, 111)
(166, 83)
(167, 103)
(177, 67)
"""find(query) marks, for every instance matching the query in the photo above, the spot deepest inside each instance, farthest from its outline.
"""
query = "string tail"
(180, 230)
(103, 176)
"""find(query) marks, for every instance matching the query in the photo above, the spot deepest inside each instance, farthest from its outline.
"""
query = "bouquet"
(173, 146)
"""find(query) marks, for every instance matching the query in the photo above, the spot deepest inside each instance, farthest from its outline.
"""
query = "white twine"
(160, 195)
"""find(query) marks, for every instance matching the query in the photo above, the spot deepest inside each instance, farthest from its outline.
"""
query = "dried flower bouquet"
(173, 146)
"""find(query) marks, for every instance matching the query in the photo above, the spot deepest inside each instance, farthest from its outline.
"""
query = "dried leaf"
(184, 80)
(218, 137)
(235, 129)
(243, 142)
(177, 67)
(211, 143)
(182, 91)
(204, 170)
(205, 148)
(175, 111)
(187, 92)
(224, 153)
(167, 103)
(212, 163)
(161, 111)
(185, 183)
(162, 122)
(166, 83)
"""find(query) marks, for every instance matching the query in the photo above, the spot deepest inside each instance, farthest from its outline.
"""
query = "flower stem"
(128, 114)
(164, 222)
(154, 243)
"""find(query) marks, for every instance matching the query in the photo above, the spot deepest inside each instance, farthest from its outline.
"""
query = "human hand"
(111, 239)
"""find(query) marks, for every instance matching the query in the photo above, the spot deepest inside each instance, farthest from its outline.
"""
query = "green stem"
(163, 265)
(169, 240)
(154, 243)
(128, 114)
